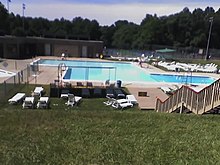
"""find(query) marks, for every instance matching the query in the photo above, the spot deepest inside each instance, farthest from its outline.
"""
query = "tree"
(3, 20)
(124, 36)
(107, 33)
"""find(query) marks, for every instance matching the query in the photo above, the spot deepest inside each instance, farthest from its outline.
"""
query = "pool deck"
(147, 102)
(47, 75)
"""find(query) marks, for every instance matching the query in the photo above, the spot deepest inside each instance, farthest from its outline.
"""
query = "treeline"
(183, 29)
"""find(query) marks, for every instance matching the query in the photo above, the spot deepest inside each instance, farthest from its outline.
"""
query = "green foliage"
(3, 20)
(20, 32)
(183, 29)
(124, 36)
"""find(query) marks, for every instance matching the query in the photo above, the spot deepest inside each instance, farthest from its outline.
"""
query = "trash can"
(119, 83)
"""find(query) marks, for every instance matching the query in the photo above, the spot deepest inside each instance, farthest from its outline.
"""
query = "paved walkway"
(149, 101)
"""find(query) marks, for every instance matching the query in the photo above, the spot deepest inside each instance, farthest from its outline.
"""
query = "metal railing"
(187, 99)
(86, 73)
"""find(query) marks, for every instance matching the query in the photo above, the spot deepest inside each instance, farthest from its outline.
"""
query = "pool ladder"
(187, 77)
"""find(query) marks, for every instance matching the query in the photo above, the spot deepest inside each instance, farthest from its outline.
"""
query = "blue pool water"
(126, 72)
(182, 79)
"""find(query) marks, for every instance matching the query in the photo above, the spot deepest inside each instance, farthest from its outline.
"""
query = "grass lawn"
(95, 134)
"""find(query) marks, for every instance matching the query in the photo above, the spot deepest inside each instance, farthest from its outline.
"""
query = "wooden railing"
(186, 98)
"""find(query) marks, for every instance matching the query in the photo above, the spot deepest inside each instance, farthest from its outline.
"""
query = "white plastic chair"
(73, 100)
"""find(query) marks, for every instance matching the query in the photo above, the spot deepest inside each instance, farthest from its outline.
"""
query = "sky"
(106, 12)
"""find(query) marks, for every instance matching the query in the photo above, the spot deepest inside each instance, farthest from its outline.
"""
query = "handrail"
(197, 102)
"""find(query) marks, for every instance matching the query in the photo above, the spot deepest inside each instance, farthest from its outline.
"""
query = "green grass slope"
(95, 134)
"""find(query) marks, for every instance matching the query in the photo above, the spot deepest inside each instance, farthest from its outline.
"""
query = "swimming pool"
(182, 79)
(124, 71)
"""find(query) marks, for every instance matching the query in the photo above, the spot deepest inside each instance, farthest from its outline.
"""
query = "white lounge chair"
(166, 90)
(110, 101)
(122, 103)
(43, 102)
(131, 99)
(16, 98)
(38, 91)
(28, 102)
(73, 100)
(64, 94)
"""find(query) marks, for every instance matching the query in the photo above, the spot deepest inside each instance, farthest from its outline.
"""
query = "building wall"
(28, 47)
(69, 50)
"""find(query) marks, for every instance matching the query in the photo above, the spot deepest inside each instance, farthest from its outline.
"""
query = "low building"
(27, 47)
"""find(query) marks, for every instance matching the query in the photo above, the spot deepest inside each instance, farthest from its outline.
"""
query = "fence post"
(28, 72)
(14, 80)
(5, 90)
(213, 91)
(181, 108)
(19, 77)
(204, 99)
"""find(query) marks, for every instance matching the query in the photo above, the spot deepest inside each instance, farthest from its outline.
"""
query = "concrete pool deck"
(47, 75)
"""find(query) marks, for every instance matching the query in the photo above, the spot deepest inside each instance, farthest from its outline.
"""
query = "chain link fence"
(178, 53)
(15, 83)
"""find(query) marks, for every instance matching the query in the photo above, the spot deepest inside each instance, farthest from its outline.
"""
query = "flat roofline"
(49, 39)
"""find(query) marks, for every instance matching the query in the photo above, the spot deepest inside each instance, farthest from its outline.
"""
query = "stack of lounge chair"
(29, 102)
(174, 66)
(129, 101)
(43, 102)
(122, 103)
